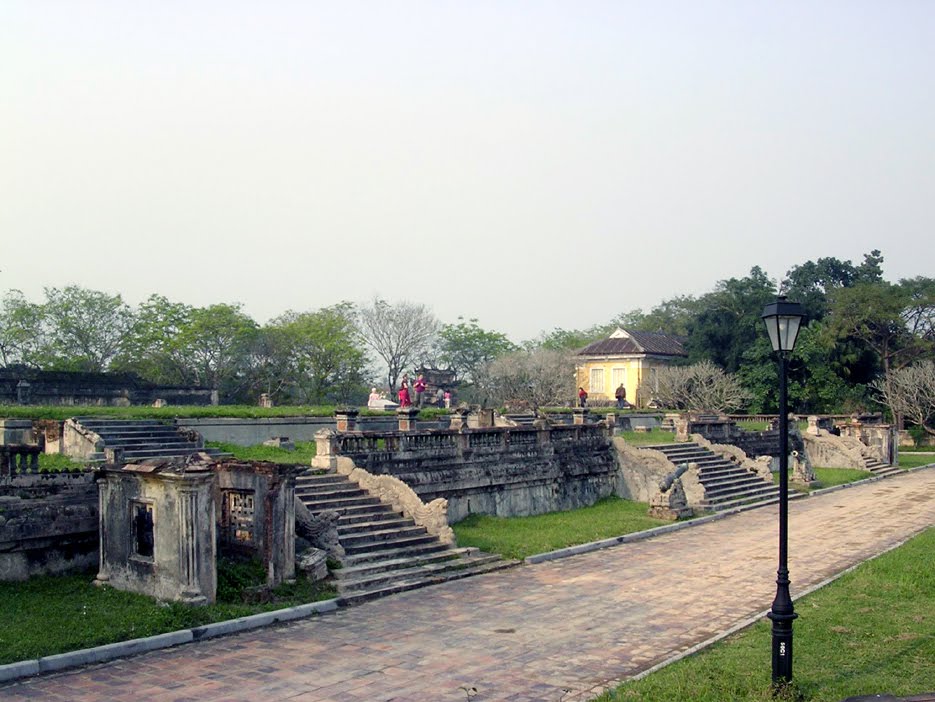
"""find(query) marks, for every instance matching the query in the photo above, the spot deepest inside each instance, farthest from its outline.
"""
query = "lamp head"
(783, 320)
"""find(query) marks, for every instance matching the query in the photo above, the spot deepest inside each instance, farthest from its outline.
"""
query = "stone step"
(389, 544)
(399, 551)
(312, 479)
(329, 490)
(406, 585)
(318, 503)
(374, 537)
(732, 491)
(390, 520)
(367, 513)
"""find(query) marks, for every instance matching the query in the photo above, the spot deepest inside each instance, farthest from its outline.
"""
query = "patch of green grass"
(54, 462)
(753, 425)
(656, 436)
(872, 631)
(54, 614)
(303, 454)
(839, 476)
(518, 537)
(910, 460)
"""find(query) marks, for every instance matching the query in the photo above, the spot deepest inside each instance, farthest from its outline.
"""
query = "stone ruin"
(164, 522)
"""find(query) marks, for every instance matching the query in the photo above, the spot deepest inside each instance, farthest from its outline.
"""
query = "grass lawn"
(914, 460)
(55, 614)
(518, 537)
(656, 436)
(57, 462)
(872, 631)
(303, 454)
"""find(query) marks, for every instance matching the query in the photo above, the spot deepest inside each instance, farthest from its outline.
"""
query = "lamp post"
(782, 320)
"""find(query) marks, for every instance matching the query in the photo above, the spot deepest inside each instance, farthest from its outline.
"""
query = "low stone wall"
(503, 471)
(33, 387)
(48, 524)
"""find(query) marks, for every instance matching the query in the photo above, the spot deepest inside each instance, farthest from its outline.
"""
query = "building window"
(141, 514)
(597, 380)
(237, 517)
(619, 377)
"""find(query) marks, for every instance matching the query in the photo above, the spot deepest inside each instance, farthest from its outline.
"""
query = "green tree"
(326, 358)
(728, 321)
(674, 316)
(24, 335)
(87, 327)
(811, 282)
(466, 348)
(214, 347)
(153, 347)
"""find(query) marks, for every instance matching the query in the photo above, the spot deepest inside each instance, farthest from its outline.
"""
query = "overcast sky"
(532, 164)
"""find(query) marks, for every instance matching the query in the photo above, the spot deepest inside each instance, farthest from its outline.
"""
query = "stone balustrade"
(18, 459)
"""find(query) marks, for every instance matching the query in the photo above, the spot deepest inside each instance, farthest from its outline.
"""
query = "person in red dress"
(404, 400)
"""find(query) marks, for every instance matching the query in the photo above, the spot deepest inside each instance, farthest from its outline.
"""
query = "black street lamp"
(782, 322)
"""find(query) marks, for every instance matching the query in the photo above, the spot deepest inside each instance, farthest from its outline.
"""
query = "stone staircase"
(879, 468)
(141, 439)
(726, 484)
(385, 552)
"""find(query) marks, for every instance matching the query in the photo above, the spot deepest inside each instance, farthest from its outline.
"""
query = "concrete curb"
(123, 649)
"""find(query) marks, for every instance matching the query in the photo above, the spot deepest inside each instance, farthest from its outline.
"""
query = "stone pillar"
(681, 428)
(812, 425)
(459, 418)
(325, 450)
(159, 402)
(580, 415)
(346, 418)
(610, 420)
(407, 418)
(265, 400)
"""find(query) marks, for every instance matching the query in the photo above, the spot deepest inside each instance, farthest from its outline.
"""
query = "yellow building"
(625, 358)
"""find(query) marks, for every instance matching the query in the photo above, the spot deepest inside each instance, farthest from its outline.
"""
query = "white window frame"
(596, 380)
(618, 377)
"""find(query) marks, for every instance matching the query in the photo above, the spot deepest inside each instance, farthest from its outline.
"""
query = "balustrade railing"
(19, 459)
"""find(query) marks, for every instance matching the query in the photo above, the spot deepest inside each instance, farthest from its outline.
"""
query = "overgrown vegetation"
(303, 454)
(641, 438)
(55, 614)
(518, 537)
(870, 632)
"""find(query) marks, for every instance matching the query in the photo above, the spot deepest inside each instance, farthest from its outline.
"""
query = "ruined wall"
(33, 387)
(501, 471)
(48, 524)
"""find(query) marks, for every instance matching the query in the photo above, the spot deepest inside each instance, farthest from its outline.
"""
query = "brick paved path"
(525, 634)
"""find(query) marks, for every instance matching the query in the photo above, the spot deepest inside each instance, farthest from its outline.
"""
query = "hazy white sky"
(531, 164)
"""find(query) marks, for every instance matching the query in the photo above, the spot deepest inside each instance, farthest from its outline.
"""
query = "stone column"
(407, 418)
(458, 418)
(325, 450)
(346, 418)
(812, 425)
(580, 415)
